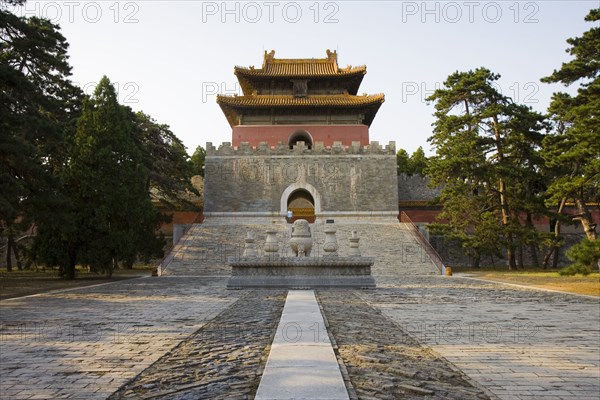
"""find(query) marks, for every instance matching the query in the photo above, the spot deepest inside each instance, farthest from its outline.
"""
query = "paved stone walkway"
(382, 361)
(222, 360)
(517, 343)
(86, 343)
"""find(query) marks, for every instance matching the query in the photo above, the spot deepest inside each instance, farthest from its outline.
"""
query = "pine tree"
(411, 165)
(478, 135)
(197, 161)
(572, 151)
(166, 159)
(403, 162)
(38, 104)
(418, 162)
(108, 180)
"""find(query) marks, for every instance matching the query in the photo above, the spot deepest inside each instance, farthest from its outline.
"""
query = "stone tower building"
(300, 141)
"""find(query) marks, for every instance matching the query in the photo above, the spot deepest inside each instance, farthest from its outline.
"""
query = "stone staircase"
(205, 248)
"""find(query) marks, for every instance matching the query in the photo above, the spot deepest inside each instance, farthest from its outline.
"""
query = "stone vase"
(250, 245)
(330, 246)
(271, 244)
(354, 250)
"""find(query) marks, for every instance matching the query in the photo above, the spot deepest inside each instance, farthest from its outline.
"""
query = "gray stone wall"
(415, 188)
(351, 179)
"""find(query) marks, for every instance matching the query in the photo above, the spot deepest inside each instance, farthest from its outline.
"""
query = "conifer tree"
(403, 162)
(38, 104)
(166, 159)
(478, 134)
(572, 151)
(108, 182)
(197, 161)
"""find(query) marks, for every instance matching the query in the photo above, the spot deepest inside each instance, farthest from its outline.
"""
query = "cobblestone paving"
(519, 343)
(86, 343)
(382, 361)
(223, 360)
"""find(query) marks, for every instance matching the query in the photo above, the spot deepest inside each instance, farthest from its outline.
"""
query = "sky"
(171, 58)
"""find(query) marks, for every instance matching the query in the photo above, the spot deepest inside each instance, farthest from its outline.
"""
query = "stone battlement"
(300, 148)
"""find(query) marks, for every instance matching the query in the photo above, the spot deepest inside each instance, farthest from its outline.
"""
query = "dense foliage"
(411, 165)
(501, 165)
(78, 171)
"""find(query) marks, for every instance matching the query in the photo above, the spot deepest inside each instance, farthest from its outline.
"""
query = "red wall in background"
(428, 216)
(273, 134)
(181, 217)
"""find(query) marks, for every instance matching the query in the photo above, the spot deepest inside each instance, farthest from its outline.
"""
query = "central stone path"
(302, 364)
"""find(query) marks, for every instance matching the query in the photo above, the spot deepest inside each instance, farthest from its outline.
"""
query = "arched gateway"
(302, 199)
(302, 205)
(300, 136)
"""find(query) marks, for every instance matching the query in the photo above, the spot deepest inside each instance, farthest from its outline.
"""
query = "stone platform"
(301, 273)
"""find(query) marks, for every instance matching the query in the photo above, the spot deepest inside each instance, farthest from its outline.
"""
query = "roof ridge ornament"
(332, 56)
(269, 57)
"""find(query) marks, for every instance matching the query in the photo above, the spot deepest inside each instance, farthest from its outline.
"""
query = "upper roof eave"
(259, 101)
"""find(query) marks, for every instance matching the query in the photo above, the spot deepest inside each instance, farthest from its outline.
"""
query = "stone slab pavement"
(86, 343)
(518, 342)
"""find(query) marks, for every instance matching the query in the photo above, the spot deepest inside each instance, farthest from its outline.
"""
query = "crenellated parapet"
(300, 148)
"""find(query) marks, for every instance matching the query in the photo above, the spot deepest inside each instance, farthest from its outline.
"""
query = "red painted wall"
(181, 217)
(542, 224)
(273, 134)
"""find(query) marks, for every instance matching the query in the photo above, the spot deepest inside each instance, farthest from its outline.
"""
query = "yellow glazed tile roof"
(291, 101)
(300, 67)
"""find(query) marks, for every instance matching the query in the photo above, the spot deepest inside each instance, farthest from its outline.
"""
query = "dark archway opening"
(301, 136)
(302, 205)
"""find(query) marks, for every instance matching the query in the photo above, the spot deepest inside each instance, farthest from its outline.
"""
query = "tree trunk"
(9, 251)
(547, 257)
(520, 257)
(111, 267)
(70, 268)
(532, 245)
(476, 260)
(584, 216)
(554, 249)
(510, 250)
(534, 255)
(15, 248)
(556, 256)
